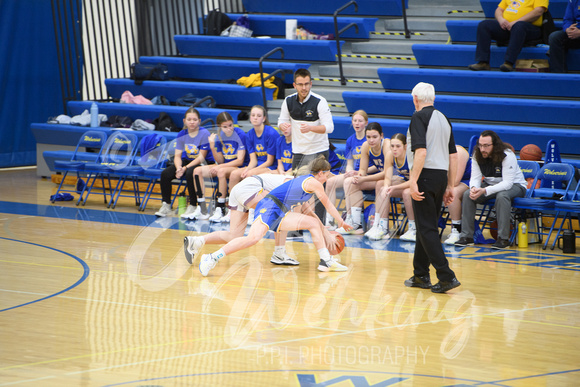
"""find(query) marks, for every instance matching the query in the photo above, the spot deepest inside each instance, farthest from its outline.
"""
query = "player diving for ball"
(277, 211)
(243, 197)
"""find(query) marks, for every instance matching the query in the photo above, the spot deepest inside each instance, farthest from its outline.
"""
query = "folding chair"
(117, 153)
(91, 139)
(542, 200)
(147, 154)
(569, 206)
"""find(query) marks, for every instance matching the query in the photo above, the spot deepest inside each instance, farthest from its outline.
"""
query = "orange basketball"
(339, 238)
(531, 152)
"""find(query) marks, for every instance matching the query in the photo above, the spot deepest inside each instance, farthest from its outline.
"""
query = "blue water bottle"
(94, 115)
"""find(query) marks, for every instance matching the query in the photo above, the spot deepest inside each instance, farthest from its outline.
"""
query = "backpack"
(164, 123)
(217, 21)
(548, 27)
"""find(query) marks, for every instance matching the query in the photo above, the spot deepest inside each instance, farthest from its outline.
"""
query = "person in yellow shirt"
(516, 21)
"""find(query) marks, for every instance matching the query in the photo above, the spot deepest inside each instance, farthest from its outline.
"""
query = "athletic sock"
(456, 224)
(377, 219)
(356, 215)
(279, 249)
(411, 225)
(324, 254)
(218, 254)
(221, 202)
(202, 205)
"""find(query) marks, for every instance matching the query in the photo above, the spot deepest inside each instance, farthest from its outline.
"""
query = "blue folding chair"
(569, 206)
(147, 155)
(542, 200)
(117, 153)
(91, 139)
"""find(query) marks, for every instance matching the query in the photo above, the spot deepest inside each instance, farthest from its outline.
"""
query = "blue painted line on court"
(537, 376)
(347, 373)
(543, 259)
(86, 272)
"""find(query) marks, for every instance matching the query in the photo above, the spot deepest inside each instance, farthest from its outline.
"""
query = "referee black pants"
(428, 248)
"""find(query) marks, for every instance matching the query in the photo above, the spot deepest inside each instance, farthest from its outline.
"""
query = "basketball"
(531, 152)
(339, 238)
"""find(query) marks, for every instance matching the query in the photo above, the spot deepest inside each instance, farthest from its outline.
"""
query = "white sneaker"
(453, 237)
(283, 259)
(372, 231)
(357, 229)
(164, 210)
(331, 265)
(225, 218)
(206, 263)
(191, 246)
(189, 212)
(217, 215)
(200, 215)
(409, 236)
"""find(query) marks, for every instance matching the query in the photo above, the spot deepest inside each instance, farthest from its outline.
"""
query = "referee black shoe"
(418, 282)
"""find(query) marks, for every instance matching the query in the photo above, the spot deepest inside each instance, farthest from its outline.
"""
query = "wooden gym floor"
(98, 297)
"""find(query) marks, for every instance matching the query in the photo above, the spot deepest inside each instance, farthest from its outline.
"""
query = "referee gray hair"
(425, 92)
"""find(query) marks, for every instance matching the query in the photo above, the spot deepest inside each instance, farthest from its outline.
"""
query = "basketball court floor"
(97, 297)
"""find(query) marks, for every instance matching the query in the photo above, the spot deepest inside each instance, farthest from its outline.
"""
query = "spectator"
(515, 22)
(496, 163)
(432, 156)
(569, 37)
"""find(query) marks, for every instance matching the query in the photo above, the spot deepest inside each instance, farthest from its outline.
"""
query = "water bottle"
(523, 235)
(182, 203)
(94, 115)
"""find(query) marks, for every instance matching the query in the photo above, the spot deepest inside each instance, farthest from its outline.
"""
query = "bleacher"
(255, 48)
(204, 69)
(482, 82)
(275, 25)
(458, 55)
(521, 107)
(365, 7)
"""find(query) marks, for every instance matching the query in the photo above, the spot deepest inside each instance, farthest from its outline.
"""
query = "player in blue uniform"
(352, 153)
(275, 212)
(229, 150)
(395, 183)
(461, 185)
(261, 146)
(191, 150)
(372, 170)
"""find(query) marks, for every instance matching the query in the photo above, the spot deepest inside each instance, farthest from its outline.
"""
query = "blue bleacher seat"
(459, 55)
(483, 82)
(146, 112)
(517, 136)
(220, 69)
(275, 25)
(466, 30)
(326, 7)
(219, 46)
(552, 112)
(223, 94)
